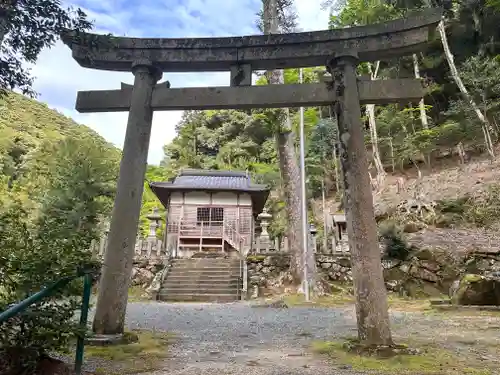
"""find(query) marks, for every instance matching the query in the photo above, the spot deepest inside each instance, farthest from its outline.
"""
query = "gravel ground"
(238, 339)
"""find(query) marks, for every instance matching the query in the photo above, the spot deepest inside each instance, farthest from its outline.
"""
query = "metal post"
(23, 305)
(305, 228)
(87, 288)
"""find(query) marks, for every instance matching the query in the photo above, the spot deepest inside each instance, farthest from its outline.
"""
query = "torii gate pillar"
(371, 297)
(118, 260)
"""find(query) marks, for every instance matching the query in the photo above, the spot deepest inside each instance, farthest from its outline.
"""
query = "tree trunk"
(336, 169)
(370, 112)
(326, 231)
(421, 103)
(290, 173)
(465, 94)
(393, 165)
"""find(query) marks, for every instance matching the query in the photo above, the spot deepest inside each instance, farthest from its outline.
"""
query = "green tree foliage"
(402, 139)
(42, 151)
(149, 200)
(57, 183)
(27, 27)
(244, 140)
(31, 257)
(237, 140)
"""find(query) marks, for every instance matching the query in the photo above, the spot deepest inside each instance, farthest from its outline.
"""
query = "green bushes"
(395, 247)
(31, 257)
(481, 209)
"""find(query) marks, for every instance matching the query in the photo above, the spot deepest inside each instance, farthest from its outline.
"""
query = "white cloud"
(59, 77)
(311, 16)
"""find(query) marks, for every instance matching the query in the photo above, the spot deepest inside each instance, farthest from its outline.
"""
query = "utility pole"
(305, 226)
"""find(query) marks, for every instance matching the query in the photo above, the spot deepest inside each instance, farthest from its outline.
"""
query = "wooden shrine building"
(210, 211)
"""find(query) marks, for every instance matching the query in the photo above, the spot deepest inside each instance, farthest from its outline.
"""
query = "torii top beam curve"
(262, 52)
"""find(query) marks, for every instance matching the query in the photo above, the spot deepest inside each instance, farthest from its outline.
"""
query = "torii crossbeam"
(339, 50)
(295, 95)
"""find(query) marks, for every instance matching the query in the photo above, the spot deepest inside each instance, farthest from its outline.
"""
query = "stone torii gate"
(340, 50)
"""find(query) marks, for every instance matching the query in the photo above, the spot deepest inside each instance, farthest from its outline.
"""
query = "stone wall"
(144, 272)
(427, 272)
(268, 273)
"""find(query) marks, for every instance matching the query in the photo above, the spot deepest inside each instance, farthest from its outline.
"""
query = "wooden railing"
(206, 229)
(232, 236)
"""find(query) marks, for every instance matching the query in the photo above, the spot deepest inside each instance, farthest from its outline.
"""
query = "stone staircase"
(202, 280)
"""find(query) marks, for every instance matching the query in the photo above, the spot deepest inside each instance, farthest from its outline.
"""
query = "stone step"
(205, 264)
(181, 289)
(204, 270)
(206, 260)
(212, 279)
(201, 286)
(199, 297)
(198, 281)
(208, 277)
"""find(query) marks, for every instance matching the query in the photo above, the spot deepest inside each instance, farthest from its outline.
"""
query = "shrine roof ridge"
(199, 179)
(394, 38)
(211, 172)
(212, 181)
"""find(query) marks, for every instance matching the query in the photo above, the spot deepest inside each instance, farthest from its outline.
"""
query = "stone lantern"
(265, 242)
(313, 231)
(106, 227)
(154, 218)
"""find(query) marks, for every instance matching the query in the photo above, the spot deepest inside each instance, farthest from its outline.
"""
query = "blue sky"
(58, 77)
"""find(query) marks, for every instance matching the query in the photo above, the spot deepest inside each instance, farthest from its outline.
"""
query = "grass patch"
(344, 298)
(462, 312)
(397, 303)
(429, 361)
(137, 294)
(147, 354)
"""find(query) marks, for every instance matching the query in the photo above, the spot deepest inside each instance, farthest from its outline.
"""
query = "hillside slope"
(45, 155)
(28, 126)
(447, 181)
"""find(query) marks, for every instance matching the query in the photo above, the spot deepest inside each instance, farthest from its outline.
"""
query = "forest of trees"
(397, 136)
(58, 178)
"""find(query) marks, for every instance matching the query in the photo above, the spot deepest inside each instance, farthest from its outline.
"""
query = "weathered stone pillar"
(118, 260)
(371, 296)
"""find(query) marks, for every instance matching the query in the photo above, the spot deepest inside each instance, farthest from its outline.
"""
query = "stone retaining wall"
(426, 272)
(271, 271)
(144, 272)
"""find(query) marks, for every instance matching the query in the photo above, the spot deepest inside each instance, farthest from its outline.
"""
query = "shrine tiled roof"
(197, 179)
(212, 180)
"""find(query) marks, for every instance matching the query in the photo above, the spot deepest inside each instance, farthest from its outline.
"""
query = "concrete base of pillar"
(118, 339)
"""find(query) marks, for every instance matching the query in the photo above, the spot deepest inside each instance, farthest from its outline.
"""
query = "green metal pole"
(87, 288)
(23, 305)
